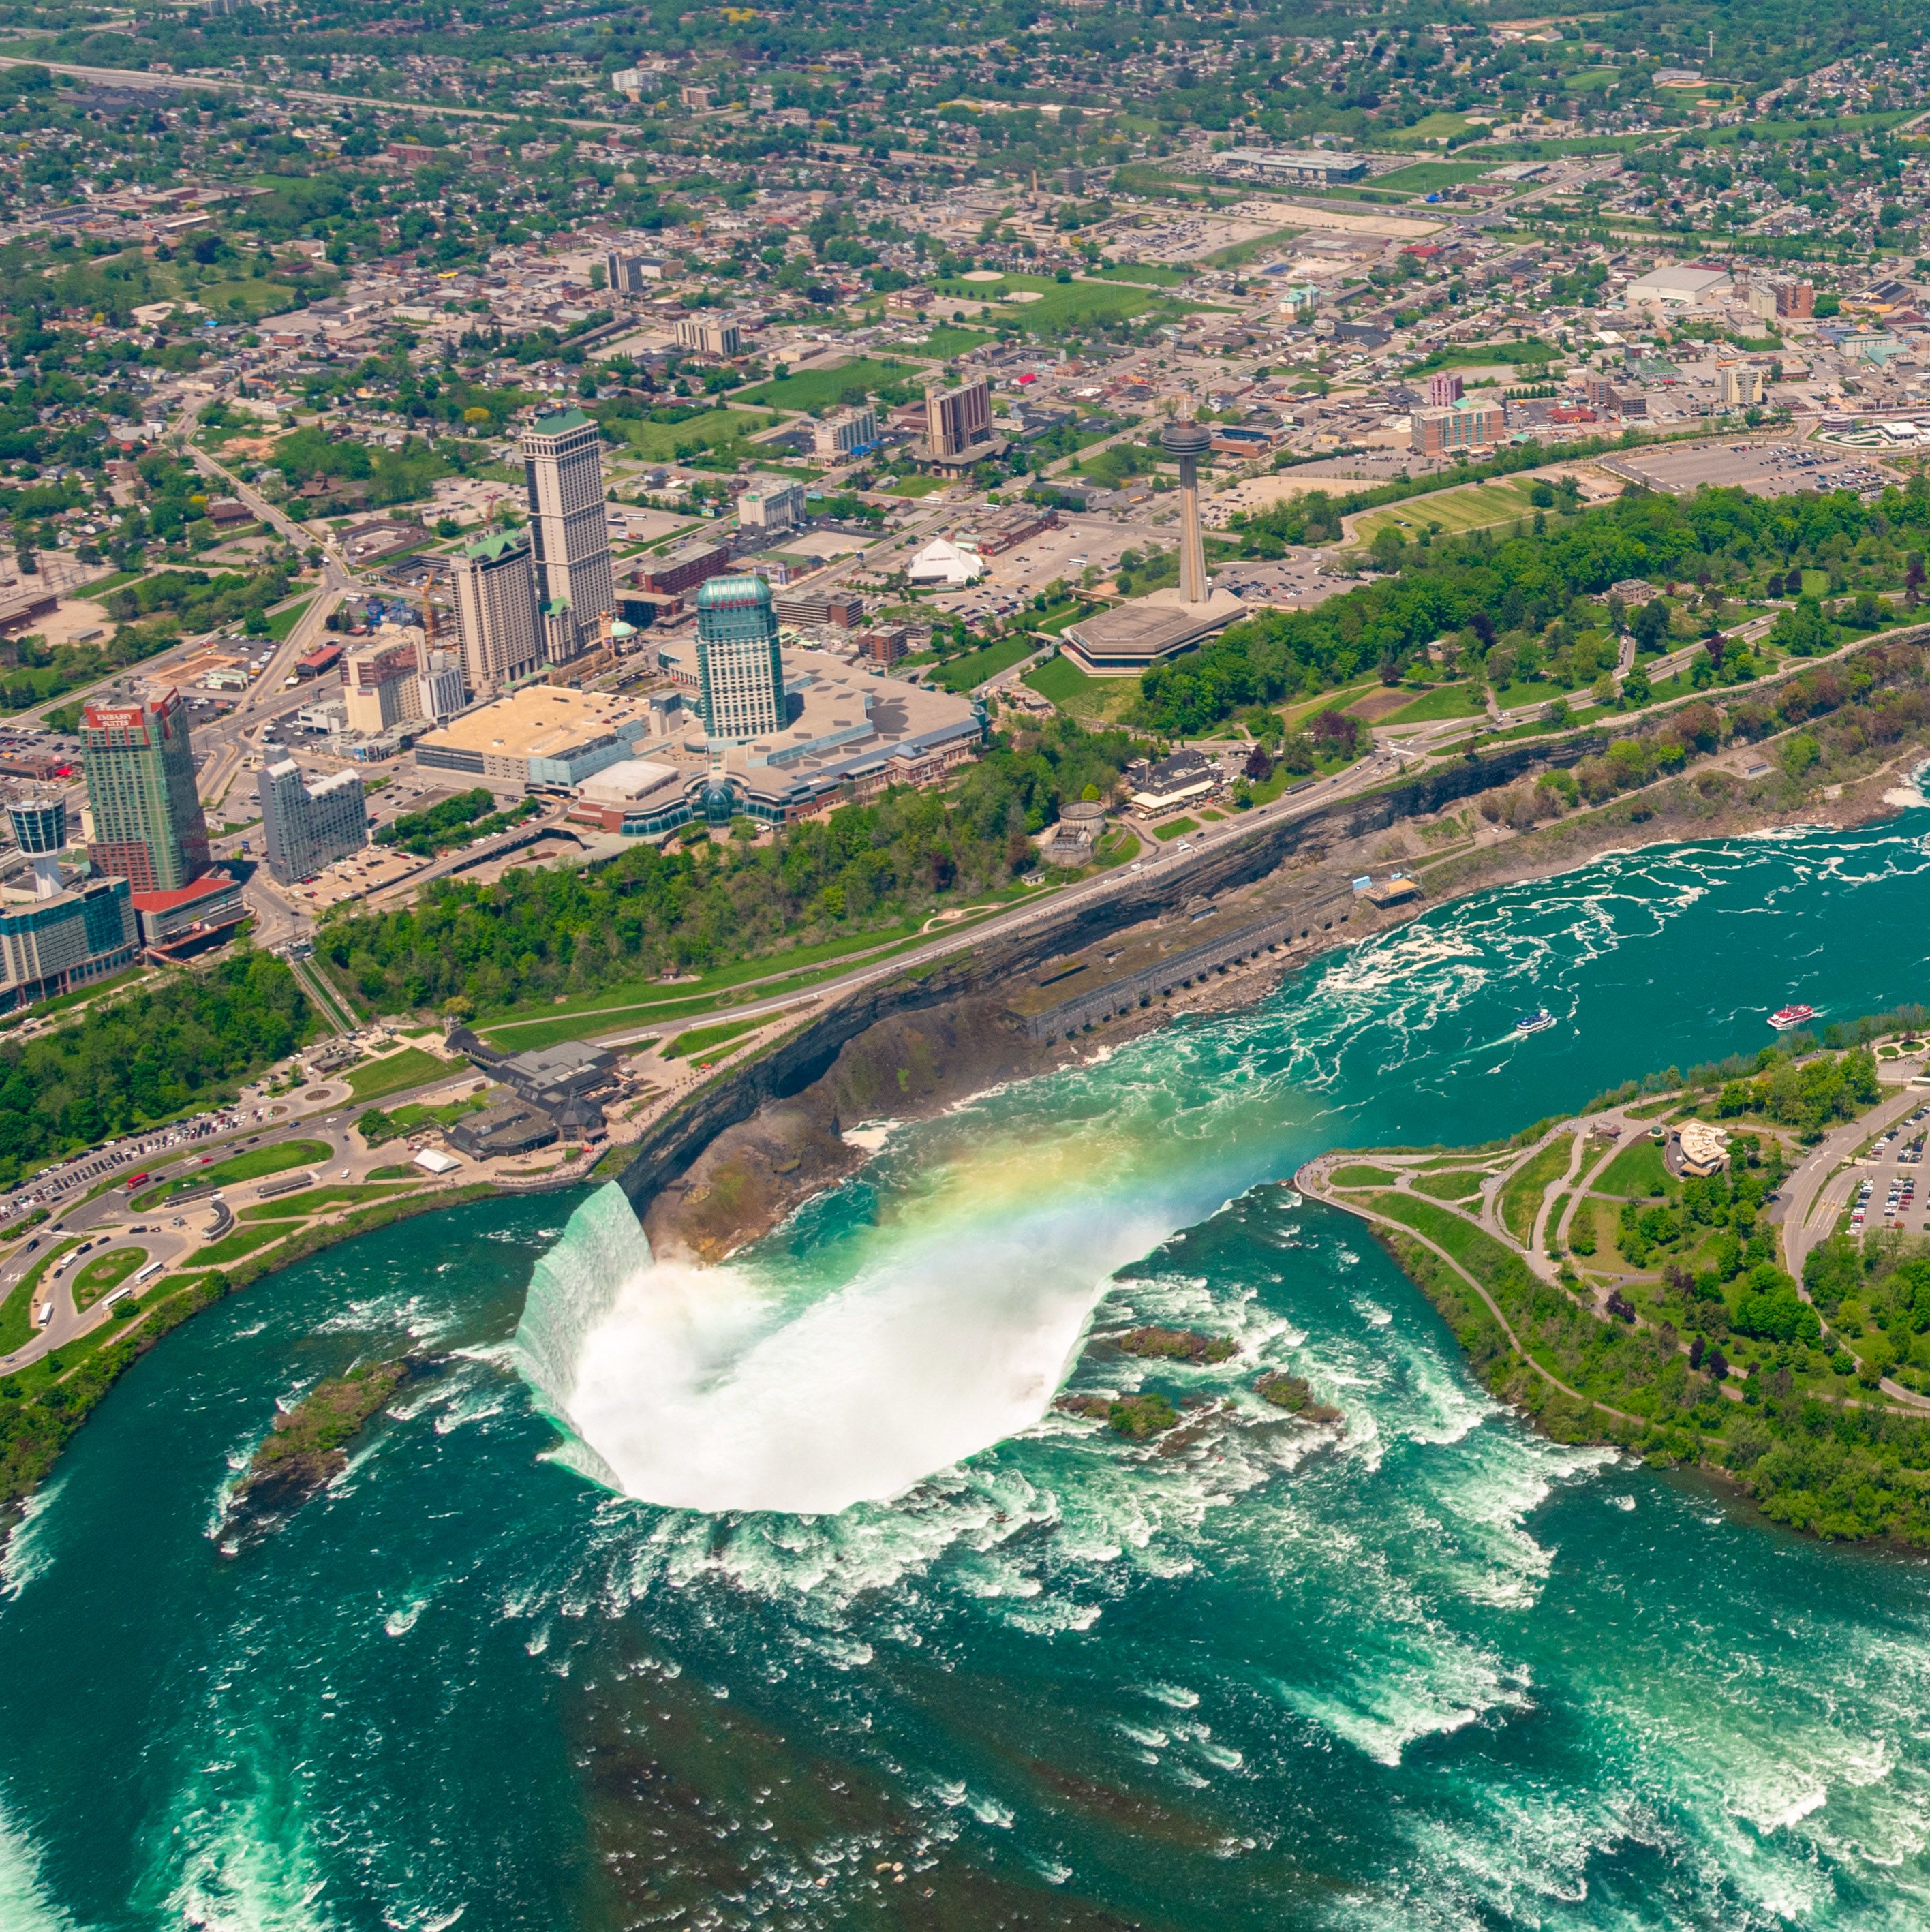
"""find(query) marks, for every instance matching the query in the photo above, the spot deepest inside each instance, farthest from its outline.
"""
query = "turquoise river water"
(778, 1595)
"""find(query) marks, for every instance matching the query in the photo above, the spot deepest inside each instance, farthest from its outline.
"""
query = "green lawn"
(1638, 1170)
(1522, 1196)
(1238, 254)
(282, 621)
(104, 1273)
(701, 1039)
(946, 340)
(256, 1164)
(1179, 829)
(1093, 700)
(313, 1200)
(1426, 177)
(1535, 692)
(411, 1067)
(915, 487)
(16, 1311)
(716, 429)
(1441, 127)
(242, 1241)
(1061, 305)
(1458, 1183)
(1471, 506)
(1446, 700)
(817, 388)
(1360, 1175)
(962, 674)
(1152, 274)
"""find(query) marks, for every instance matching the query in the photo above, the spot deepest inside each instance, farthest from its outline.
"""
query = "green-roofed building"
(497, 622)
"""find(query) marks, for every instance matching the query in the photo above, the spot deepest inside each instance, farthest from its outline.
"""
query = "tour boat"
(1784, 1018)
(1539, 1021)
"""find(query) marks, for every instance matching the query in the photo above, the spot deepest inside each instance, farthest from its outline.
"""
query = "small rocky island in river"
(307, 1447)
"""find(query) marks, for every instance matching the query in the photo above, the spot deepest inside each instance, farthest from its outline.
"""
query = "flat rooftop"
(538, 722)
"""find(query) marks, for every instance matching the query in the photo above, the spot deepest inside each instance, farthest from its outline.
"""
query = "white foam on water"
(25, 1906)
(712, 1390)
(28, 1553)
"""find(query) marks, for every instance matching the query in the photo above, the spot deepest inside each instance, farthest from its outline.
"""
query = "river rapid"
(778, 1593)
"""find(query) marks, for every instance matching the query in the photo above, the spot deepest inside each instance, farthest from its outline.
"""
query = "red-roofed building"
(177, 923)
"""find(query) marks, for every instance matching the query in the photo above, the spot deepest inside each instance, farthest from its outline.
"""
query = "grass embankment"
(41, 1406)
(255, 1165)
(1521, 1197)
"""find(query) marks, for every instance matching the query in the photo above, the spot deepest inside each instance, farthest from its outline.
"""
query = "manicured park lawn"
(963, 674)
(410, 1068)
(1473, 506)
(713, 430)
(1179, 829)
(1637, 1171)
(1446, 700)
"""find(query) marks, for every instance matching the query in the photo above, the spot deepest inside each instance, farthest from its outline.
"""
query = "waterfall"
(575, 1286)
(772, 1386)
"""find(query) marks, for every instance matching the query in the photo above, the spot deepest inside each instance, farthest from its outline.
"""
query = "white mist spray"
(715, 1389)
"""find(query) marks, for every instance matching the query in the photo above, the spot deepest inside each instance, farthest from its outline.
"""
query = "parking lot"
(1768, 468)
(1887, 1195)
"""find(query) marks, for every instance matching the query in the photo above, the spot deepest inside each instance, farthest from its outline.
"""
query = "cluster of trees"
(1530, 594)
(1872, 700)
(145, 1057)
(1809, 1094)
(479, 948)
(355, 474)
(469, 814)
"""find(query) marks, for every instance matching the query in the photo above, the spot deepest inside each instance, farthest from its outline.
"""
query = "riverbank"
(42, 1407)
(1612, 1298)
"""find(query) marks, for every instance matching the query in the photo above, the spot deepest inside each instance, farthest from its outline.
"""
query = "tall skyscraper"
(576, 586)
(148, 826)
(956, 419)
(497, 624)
(740, 674)
(305, 827)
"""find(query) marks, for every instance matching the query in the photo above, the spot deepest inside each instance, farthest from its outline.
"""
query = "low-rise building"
(541, 738)
(1161, 785)
(174, 925)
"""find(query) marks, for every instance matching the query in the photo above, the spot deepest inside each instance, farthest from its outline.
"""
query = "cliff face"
(905, 1065)
(748, 1190)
